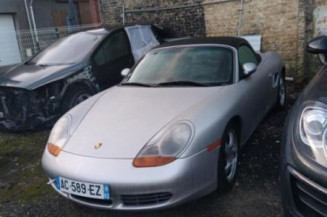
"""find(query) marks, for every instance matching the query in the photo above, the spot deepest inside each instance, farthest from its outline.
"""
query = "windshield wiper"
(182, 83)
(28, 63)
(136, 84)
(43, 65)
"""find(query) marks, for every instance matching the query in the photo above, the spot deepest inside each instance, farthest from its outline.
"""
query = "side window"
(246, 55)
(115, 47)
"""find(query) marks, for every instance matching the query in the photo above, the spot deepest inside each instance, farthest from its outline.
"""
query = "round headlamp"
(166, 146)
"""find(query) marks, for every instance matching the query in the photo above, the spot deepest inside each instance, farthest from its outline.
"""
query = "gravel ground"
(23, 191)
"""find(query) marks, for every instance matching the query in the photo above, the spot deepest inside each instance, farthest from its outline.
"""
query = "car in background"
(171, 132)
(304, 146)
(69, 71)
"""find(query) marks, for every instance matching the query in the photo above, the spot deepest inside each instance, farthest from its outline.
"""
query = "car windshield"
(187, 66)
(68, 50)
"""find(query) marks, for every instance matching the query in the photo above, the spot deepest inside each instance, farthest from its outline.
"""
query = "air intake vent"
(308, 199)
(145, 199)
(92, 201)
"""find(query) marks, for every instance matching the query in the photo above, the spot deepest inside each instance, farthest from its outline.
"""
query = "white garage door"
(9, 50)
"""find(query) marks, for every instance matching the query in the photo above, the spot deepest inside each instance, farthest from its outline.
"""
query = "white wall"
(9, 50)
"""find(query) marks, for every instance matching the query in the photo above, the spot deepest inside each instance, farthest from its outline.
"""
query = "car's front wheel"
(228, 159)
(75, 95)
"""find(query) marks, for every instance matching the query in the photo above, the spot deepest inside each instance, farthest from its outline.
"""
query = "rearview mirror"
(125, 72)
(319, 46)
(249, 68)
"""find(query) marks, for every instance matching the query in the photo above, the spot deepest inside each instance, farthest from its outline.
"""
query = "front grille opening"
(13, 104)
(308, 200)
(92, 200)
(145, 199)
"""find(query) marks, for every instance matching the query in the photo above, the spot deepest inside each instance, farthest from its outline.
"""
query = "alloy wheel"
(231, 151)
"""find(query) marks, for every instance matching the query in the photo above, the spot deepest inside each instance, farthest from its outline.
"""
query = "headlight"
(166, 146)
(59, 135)
(311, 131)
(313, 127)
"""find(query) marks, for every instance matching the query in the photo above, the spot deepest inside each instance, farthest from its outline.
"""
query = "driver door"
(112, 56)
(255, 87)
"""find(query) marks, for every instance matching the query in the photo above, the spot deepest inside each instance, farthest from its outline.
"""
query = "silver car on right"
(171, 132)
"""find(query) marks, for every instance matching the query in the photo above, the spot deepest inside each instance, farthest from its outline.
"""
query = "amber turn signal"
(53, 149)
(152, 161)
(214, 145)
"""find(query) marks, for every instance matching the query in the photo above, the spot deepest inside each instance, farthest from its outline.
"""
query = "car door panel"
(273, 67)
(255, 94)
(110, 74)
(255, 88)
(111, 57)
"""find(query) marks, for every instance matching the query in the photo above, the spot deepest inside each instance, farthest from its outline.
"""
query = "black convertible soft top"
(230, 41)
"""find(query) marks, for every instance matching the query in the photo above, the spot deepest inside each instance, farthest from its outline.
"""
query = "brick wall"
(278, 22)
(312, 63)
(286, 25)
(179, 22)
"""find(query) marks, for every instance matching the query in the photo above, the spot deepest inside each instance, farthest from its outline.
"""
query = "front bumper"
(13, 107)
(303, 181)
(302, 196)
(18, 109)
(22, 109)
(166, 186)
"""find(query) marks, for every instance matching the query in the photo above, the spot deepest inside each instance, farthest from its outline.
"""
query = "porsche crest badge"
(98, 145)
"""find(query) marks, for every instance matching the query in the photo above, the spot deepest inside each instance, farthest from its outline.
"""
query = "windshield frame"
(235, 72)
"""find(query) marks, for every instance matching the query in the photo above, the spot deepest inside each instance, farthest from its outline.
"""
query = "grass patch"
(21, 176)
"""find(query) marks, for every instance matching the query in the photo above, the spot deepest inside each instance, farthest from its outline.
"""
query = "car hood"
(33, 76)
(124, 119)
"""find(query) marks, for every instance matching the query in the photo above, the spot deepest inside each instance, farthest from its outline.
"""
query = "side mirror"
(319, 46)
(249, 68)
(125, 72)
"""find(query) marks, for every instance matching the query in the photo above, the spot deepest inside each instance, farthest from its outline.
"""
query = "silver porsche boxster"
(171, 131)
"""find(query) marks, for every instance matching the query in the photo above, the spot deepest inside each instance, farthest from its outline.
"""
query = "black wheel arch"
(236, 121)
(283, 72)
(81, 83)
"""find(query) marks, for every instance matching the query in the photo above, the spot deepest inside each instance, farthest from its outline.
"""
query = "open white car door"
(142, 40)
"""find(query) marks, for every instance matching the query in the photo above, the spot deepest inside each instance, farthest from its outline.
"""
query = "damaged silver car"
(38, 91)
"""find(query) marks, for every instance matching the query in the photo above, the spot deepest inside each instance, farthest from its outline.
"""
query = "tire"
(230, 146)
(281, 94)
(74, 96)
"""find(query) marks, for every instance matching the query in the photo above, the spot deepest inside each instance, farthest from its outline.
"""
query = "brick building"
(285, 25)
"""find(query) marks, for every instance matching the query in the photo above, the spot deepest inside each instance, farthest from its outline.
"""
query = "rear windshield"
(69, 50)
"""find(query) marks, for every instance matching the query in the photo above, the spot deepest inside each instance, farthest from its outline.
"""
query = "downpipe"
(33, 21)
(30, 25)
(240, 19)
(124, 14)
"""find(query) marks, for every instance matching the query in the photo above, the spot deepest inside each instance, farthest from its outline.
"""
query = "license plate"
(84, 189)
